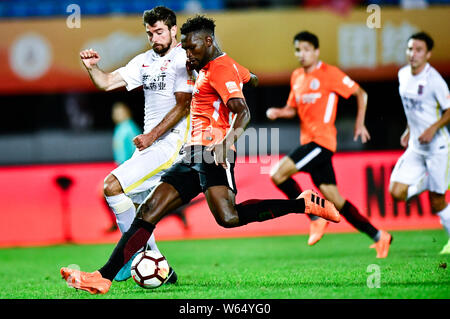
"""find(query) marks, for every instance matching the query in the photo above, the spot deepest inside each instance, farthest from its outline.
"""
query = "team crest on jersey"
(165, 65)
(191, 80)
(314, 84)
(420, 89)
(195, 92)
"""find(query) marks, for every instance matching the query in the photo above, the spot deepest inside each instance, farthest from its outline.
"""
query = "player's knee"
(437, 203)
(111, 186)
(277, 177)
(398, 193)
(227, 221)
(143, 211)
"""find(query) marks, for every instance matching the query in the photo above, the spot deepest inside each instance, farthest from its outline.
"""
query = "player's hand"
(361, 131)
(220, 153)
(89, 57)
(271, 113)
(143, 141)
(427, 135)
(404, 139)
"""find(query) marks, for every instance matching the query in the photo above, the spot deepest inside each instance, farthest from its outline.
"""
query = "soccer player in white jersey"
(426, 101)
(167, 87)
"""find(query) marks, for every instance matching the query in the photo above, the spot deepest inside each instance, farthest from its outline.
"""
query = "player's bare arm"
(286, 112)
(253, 82)
(429, 133)
(360, 127)
(180, 110)
(102, 80)
(241, 119)
(405, 138)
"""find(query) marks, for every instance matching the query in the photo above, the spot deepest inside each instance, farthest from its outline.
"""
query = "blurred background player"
(219, 116)
(162, 73)
(315, 87)
(426, 101)
(125, 130)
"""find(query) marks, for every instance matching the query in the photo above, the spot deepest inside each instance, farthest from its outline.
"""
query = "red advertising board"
(37, 210)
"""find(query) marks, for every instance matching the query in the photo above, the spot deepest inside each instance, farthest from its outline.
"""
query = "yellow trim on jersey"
(448, 156)
(165, 165)
(448, 168)
(444, 133)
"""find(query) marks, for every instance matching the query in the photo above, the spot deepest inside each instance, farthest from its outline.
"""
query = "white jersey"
(161, 77)
(425, 97)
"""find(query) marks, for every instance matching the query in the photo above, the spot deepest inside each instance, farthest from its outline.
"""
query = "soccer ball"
(150, 269)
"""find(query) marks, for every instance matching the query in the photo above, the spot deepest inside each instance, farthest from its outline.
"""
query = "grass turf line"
(248, 268)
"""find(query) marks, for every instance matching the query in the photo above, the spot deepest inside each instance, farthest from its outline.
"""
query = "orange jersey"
(315, 95)
(217, 82)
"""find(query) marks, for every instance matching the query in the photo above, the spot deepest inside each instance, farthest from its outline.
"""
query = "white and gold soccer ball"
(150, 269)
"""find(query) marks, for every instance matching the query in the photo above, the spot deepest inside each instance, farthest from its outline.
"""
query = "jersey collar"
(208, 65)
(424, 71)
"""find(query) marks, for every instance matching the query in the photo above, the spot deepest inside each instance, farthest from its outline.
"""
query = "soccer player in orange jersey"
(219, 115)
(315, 88)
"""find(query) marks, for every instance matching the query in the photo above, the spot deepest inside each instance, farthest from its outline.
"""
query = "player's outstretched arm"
(180, 110)
(429, 133)
(286, 112)
(360, 127)
(102, 80)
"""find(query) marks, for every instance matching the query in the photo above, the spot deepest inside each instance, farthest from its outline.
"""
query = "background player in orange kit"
(314, 95)
(219, 115)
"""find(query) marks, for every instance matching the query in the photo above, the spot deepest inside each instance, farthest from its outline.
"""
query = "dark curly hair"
(198, 23)
(160, 13)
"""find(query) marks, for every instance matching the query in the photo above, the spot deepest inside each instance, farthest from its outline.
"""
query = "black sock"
(132, 240)
(290, 188)
(255, 210)
(361, 223)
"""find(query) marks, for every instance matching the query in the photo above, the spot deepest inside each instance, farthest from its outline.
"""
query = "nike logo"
(145, 66)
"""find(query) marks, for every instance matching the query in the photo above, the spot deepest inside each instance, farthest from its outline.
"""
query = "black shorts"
(196, 171)
(315, 160)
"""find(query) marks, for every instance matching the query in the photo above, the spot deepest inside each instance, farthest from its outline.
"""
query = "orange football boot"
(92, 282)
(316, 230)
(382, 246)
(318, 206)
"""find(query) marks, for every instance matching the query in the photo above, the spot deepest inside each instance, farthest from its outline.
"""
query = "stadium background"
(55, 126)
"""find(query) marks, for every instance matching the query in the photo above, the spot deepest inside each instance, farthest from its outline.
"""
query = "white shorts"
(140, 174)
(412, 166)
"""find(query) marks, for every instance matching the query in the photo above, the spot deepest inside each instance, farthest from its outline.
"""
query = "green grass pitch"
(340, 266)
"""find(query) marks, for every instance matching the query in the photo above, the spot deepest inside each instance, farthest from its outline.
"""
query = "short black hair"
(424, 37)
(198, 23)
(308, 37)
(160, 13)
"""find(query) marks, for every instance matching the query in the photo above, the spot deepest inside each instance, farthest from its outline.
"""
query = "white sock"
(445, 218)
(419, 187)
(124, 209)
(152, 243)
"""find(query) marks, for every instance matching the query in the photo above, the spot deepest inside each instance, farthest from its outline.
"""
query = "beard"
(162, 49)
